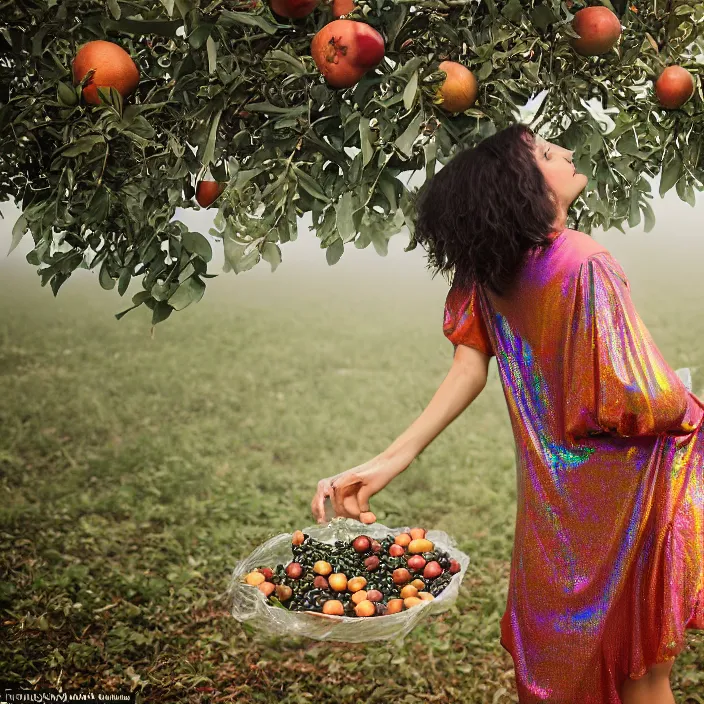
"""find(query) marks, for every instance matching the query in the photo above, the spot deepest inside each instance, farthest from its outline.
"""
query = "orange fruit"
(255, 578)
(420, 545)
(460, 89)
(338, 581)
(409, 590)
(402, 539)
(365, 608)
(360, 596)
(322, 567)
(113, 66)
(394, 606)
(333, 607)
(356, 584)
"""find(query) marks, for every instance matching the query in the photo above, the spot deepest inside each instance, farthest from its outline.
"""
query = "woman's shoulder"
(582, 246)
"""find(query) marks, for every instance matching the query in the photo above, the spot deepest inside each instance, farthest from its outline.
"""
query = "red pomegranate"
(113, 66)
(674, 87)
(344, 50)
(459, 90)
(293, 9)
(342, 7)
(207, 192)
(599, 29)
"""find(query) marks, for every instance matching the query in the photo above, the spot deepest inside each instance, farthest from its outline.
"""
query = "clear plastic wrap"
(249, 604)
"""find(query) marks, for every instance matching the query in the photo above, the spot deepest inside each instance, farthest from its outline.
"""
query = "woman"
(607, 568)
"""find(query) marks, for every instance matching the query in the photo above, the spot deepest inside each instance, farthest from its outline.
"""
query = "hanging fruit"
(674, 87)
(342, 7)
(207, 192)
(599, 30)
(113, 66)
(293, 9)
(460, 89)
(344, 50)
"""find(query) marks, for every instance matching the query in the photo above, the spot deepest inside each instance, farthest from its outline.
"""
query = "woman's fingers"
(349, 496)
(317, 506)
(344, 497)
(350, 503)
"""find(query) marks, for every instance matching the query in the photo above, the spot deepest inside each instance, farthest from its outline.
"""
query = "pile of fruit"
(359, 578)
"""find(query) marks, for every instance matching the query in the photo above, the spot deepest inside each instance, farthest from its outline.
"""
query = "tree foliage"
(229, 88)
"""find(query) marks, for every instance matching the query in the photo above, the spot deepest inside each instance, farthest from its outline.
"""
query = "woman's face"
(560, 174)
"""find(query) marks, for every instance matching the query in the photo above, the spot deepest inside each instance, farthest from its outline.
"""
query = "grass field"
(135, 471)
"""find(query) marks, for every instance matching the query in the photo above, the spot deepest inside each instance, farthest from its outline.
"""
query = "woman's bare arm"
(463, 383)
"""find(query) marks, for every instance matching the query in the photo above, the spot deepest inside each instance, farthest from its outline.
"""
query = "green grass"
(135, 471)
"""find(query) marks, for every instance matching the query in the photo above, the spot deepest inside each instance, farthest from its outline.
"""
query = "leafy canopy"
(230, 90)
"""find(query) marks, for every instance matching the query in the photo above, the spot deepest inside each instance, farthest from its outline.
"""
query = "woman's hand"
(349, 491)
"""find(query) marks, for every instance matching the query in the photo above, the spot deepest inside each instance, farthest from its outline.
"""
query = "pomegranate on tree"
(207, 192)
(342, 7)
(674, 87)
(344, 50)
(460, 89)
(293, 9)
(599, 29)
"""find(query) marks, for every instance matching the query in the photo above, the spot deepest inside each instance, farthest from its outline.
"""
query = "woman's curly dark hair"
(481, 213)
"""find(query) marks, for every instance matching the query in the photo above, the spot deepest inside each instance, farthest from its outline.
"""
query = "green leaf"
(671, 173)
(67, 94)
(409, 92)
(542, 16)
(344, 221)
(162, 310)
(310, 184)
(209, 153)
(190, 291)
(212, 55)
(106, 281)
(365, 138)
(114, 8)
(228, 17)
(199, 35)
(83, 145)
(124, 280)
(272, 254)
(410, 134)
(268, 107)
(334, 251)
(195, 243)
(293, 63)
(18, 231)
(648, 216)
(162, 28)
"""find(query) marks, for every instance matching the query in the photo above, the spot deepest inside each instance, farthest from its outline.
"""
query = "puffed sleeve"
(463, 323)
(616, 381)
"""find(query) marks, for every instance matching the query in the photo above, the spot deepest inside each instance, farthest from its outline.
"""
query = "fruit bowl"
(250, 605)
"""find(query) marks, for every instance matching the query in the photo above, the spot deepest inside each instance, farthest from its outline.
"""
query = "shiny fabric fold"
(607, 567)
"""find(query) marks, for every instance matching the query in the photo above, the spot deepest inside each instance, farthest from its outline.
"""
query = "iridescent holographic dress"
(607, 569)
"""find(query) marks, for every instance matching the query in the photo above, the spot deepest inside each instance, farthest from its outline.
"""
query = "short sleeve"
(616, 381)
(463, 323)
